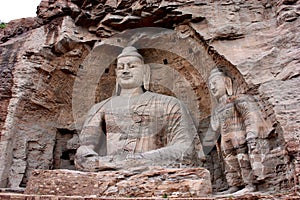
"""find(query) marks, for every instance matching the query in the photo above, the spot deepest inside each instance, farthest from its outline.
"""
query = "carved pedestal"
(135, 182)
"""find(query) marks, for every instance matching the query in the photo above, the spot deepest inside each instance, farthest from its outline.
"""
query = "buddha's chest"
(133, 119)
(135, 128)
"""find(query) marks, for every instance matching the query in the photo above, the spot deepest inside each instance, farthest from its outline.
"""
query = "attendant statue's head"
(132, 72)
(220, 85)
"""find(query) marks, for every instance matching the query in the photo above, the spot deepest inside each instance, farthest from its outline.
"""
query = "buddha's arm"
(181, 137)
(91, 140)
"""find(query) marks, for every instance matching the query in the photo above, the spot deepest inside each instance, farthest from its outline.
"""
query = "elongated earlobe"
(146, 80)
(118, 88)
(228, 86)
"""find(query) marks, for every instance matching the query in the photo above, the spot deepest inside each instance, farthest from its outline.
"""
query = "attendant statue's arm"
(210, 140)
(212, 135)
(256, 126)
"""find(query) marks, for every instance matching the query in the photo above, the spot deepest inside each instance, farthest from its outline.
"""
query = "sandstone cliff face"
(37, 103)
(257, 41)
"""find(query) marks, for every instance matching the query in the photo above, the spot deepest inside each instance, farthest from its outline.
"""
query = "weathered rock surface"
(135, 182)
(258, 41)
(286, 195)
(37, 82)
(18, 27)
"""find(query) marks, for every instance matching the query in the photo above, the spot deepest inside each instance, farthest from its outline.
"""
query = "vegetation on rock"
(2, 25)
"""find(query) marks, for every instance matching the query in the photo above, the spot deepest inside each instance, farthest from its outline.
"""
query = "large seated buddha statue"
(137, 127)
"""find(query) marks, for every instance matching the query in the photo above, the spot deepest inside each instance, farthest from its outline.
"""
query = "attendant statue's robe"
(241, 125)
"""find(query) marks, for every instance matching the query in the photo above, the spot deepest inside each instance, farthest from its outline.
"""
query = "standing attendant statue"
(137, 127)
(237, 118)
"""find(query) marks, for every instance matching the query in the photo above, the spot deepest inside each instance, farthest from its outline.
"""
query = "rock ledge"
(136, 182)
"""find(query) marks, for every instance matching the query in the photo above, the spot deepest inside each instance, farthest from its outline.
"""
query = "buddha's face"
(130, 72)
(217, 86)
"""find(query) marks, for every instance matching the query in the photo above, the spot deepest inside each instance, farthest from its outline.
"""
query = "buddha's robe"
(152, 128)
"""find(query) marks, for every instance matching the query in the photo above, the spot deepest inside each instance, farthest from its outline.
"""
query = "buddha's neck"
(131, 92)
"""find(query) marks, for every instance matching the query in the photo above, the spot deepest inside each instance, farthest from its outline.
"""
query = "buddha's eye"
(212, 84)
(120, 66)
(132, 66)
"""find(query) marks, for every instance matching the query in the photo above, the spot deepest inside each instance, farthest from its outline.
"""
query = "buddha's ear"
(118, 88)
(147, 75)
(228, 86)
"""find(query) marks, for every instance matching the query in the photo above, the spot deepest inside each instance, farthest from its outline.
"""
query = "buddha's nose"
(126, 68)
(125, 72)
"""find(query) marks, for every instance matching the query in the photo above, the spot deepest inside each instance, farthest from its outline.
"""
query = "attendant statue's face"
(217, 86)
(130, 72)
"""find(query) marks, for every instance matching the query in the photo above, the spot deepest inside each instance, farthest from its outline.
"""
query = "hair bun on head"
(216, 72)
(130, 51)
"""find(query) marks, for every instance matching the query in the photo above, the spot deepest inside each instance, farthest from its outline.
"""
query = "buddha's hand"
(86, 159)
(106, 163)
(137, 160)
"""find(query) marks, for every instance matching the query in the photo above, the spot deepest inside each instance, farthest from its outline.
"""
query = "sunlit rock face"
(42, 58)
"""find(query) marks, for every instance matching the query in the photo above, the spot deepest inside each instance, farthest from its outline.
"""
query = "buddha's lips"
(126, 77)
(213, 91)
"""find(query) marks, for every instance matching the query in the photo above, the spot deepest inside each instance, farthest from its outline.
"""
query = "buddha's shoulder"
(145, 98)
(163, 98)
(98, 106)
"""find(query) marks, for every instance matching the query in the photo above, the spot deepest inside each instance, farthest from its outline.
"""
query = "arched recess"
(180, 65)
(170, 75)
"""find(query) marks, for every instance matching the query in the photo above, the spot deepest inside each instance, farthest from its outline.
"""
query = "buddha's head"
(219, 83)
(131, 70)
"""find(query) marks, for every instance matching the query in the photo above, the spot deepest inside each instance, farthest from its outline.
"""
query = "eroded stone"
(134, 182)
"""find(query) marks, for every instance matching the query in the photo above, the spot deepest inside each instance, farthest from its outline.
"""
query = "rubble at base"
(136, 182)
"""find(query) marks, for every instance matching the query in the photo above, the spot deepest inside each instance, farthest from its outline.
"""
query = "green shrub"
(2, 25)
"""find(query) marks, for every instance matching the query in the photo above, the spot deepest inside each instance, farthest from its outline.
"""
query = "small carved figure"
(137, 127)
(237, 118)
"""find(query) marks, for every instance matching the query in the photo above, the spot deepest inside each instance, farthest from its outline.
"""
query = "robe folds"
(153, 128)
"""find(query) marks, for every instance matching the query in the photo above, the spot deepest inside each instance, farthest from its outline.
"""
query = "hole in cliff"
(63, 154)
(106, 70)
(288, 2)
(165, 61)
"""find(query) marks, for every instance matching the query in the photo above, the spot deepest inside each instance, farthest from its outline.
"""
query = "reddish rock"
(17, 27)
(135, 182)
(258, 42)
